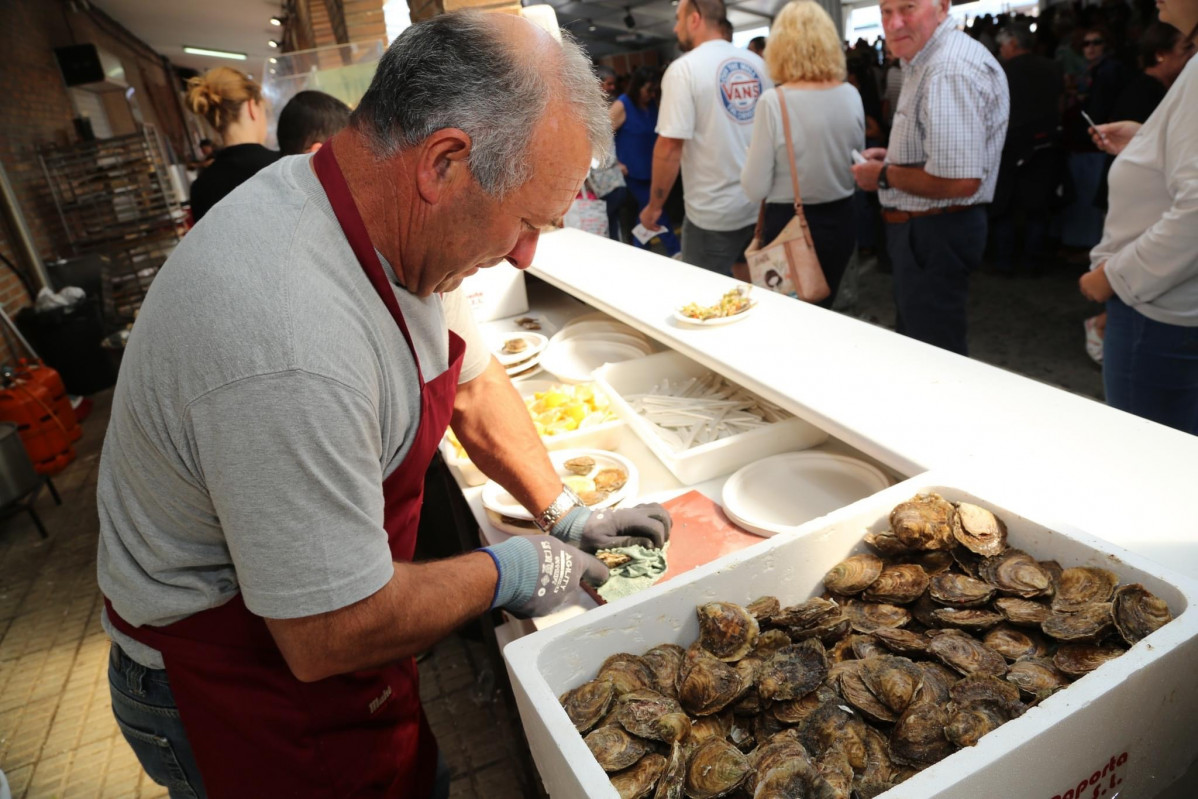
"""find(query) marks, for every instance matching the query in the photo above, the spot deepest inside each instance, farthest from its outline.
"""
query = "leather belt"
(895, 216)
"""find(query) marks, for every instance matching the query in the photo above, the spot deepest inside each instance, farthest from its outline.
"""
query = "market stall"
(1074, 466)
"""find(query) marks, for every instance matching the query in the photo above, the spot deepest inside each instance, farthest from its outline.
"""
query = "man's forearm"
(667, 159)
(491, 421)
(915, 180)
(419, 605)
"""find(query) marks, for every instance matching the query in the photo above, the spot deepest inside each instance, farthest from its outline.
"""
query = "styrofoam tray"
(776, 495)
(706, 460)
(1126, 728)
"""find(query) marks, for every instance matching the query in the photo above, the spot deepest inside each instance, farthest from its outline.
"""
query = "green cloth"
(635, 575)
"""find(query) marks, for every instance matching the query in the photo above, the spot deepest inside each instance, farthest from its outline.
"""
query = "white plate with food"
(777, 494)
(514, 349)
(601, 479)
(573, 360)
(732, 307)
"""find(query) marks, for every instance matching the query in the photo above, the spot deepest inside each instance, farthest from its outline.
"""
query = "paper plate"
(498, 501)
(598, 326)
(535, 343)
(573, 360)
(714, 321)
(777, 494)
(633, 340)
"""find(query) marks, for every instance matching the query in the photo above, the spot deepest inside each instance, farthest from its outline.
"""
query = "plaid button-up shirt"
(951, 118)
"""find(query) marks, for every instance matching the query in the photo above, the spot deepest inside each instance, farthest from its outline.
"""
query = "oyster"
(590, 498)
(967, 655)
(902, 641)
(918, 738)
(588, 703)
(615, 749)
(794, 711)
(1081, 586)
(610, 558)
(832, 725)
(790, 778)
(638, 781)
(764, 608)
(979, 530)
(1138, 612)
(1022, 611)
(887, 544)
(1086, 623)
(968, 724)
(793, 671)
(1036, 678)
(959, 590)
(876, 777)
(770, 642)
(715, 769)
(934, 561)
(867, 646)
(779, 749)
(706, 684)
(672, 784)
(841, 650)
(1077, 660)
(967, 618)
(1013, 644)
(708, 727)
(853, 574)
(726, 630)
(581, 465)
(837, 772)
(610, 479)
(892, 679)
(854, 690)
(1016, 573)
(664, 661)
(870, 617)
(972, 690)
(922, 610)
(897, 585)
(924, 522)
(968, 562)
(626, 673)
(649, 714)
(515, 345)
(937, 682)
(814, 618)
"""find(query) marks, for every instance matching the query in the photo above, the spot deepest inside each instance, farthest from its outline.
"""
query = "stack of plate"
(590, 341)
(520, 353)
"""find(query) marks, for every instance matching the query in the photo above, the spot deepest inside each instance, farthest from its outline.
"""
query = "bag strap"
(790, 151)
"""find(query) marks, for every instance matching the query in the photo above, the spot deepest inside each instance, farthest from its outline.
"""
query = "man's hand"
(1095, 286)
(643, 525)
(1112, 137)
(649, 217)
(866, 174)
(538, 573)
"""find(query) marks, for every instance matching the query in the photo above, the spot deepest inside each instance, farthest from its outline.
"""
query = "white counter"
(911, 406)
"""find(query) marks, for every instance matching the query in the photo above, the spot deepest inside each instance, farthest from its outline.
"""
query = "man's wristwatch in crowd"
(883, 183)
(565, 501)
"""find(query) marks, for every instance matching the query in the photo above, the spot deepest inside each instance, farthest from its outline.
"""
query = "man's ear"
(441, 166)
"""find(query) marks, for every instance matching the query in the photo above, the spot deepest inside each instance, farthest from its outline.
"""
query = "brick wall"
(37, 110)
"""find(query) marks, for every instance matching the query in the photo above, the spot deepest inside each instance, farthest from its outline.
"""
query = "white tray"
(1128, 724)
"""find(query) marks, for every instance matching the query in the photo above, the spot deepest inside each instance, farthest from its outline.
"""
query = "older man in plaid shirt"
(941, 167)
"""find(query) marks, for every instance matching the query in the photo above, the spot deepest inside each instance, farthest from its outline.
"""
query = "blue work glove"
(643, 525)
(538, 573)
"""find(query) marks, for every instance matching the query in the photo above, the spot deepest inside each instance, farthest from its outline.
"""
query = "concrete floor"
(57, 735)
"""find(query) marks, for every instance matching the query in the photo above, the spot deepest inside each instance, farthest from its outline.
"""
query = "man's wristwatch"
(883, 183)
(565, 502)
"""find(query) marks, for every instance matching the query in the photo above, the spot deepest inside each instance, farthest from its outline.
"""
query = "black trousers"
(932, 257)
(833, 231)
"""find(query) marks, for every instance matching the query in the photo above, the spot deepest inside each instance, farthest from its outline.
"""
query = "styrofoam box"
(601, 436)
(705, 461)
(1124, 730)
(496, 292)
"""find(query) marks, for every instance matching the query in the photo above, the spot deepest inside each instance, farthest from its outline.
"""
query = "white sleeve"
(460, 319)
(676, 115)
(1166, 254)
(757, 175)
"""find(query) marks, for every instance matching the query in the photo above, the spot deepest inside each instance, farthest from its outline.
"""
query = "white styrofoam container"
(1125, 730)
(496, 292)
(601, 436)
(705, 461)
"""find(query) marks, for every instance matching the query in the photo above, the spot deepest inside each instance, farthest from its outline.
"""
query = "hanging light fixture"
(628, 19)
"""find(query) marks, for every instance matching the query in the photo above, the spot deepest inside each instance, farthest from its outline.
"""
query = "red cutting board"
(701, 533)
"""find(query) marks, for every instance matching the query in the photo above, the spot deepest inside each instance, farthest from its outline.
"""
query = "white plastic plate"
(573, 360)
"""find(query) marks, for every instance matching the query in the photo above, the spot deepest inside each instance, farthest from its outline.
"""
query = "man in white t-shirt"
(706, 121)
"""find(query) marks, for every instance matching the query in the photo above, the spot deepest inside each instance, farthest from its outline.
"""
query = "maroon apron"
(255, 729)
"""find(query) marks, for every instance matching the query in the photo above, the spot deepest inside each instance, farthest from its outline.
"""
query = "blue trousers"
(1150, 368)
(146, 713)
(932, 258)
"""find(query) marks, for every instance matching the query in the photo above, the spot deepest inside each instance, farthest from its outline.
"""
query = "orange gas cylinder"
(37, 372)
(46, 438)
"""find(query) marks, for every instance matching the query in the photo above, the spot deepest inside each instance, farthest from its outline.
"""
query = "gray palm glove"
(643, 525)
(537, 573)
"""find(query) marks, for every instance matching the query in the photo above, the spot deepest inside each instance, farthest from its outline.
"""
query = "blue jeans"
(146, 713)
(1150, 368)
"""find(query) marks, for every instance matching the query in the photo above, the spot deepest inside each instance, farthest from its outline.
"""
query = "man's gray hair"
(1018, 32)
(457, 70)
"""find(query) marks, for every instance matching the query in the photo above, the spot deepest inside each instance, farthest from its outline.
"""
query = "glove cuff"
(569, 528)
(518, 567)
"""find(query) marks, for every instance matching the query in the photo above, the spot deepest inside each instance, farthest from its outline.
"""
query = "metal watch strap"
(883, 182)
(565, 501)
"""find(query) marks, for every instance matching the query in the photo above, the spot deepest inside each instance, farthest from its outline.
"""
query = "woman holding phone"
(1145, 268)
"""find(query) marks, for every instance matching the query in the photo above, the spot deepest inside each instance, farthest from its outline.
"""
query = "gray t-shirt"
(827, 125)
(264, 395)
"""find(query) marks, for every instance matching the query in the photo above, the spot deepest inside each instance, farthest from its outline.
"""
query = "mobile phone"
(858, 158)
(1094, 125)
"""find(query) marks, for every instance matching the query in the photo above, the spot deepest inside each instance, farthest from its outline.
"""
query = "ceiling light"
(272, 43)
(273, 60)
(214, 53)
(276, 21)
(628, 20)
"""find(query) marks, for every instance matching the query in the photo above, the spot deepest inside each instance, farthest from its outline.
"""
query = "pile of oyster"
(936, 637)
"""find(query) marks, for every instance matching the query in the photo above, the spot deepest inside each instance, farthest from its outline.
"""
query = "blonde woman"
(827, 122)
(234, 106)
